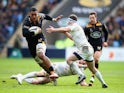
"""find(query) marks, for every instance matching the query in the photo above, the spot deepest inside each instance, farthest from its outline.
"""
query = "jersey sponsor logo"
(96, 34)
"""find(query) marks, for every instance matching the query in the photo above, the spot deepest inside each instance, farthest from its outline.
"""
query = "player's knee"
(96, 60)
(35, 82)
(68, 61)
(40, 55)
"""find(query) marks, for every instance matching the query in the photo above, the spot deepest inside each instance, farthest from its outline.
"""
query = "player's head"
(72, 19)
(33, 14)
(93, 17)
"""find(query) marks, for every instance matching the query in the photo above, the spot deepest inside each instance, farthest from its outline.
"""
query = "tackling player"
(76, 33)
(96, 31)
(36, 41)
(41, 77)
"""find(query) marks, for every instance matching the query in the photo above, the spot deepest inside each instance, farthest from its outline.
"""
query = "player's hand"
(50, 29)
(40, 30)
(105, 44)
(58, 18)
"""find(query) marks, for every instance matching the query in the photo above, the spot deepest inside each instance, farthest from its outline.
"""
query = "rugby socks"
(97, 65)
(75, 68)
(29, 75)
(29, 80)
(51, 70)
(99, 76)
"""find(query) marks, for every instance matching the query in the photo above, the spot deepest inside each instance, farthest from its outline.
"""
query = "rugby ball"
(34, 29)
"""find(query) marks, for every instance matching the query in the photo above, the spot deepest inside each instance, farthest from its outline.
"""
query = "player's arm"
(60, 29)
(64, 30)
(25, 30)
(68, 35)
(105, 30)
(47, 17)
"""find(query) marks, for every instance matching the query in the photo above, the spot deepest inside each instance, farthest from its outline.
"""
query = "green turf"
(113, 73)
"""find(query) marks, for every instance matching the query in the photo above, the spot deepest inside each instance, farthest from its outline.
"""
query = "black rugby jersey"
(31, 39)
(96, 33)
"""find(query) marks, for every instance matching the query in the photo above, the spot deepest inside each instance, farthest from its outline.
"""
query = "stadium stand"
(115, 26)
(115, 20)
(14, 11)
(12, 14)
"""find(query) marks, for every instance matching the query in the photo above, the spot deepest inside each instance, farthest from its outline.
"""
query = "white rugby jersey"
(63, 69)
(78, 35)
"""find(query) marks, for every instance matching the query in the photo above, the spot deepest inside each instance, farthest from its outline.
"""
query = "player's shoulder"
(26, 20)
(41, 15)
(88, 25)
(99, 23)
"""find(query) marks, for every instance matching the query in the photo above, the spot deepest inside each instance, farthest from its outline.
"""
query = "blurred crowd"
(49, 5)
(12, 14)
(115, 26)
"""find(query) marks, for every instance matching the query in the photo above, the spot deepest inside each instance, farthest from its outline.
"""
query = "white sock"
(99, 76)
(29, 80)
(29, 75)
(76, 69)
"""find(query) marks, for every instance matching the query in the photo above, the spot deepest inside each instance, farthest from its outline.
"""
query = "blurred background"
(14, 45)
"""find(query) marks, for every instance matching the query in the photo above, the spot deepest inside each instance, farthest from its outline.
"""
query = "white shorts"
(86, 52)
(40, 47)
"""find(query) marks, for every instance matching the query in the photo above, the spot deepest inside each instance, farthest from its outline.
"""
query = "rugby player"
(76, 33)
(36, 41)
(95, 32)
(41, 77)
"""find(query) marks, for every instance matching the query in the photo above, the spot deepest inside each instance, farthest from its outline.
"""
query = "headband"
(71, 20)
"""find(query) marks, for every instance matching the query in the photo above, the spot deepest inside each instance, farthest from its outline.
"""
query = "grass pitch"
(113, 73)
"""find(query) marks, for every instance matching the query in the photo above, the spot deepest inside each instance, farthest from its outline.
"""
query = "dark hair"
(73, 16)
(33, 9)
(93, 13)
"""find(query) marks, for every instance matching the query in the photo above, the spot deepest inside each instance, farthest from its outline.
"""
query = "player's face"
(33, 16)
(70, 21)
(93, 19)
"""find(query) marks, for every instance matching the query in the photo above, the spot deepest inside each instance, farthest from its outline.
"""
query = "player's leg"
(97, 56)
(31, 75)
(38, 80)
(91, 66)
(18, 77)
(44, 60)
(74, 67)
(88, 56)
(28, 75)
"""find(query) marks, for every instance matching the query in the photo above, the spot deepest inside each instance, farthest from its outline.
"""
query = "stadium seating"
(13, 12)
(115, 26)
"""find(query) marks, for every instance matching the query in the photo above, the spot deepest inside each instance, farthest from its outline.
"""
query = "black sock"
(97, 65)
(51, 68)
